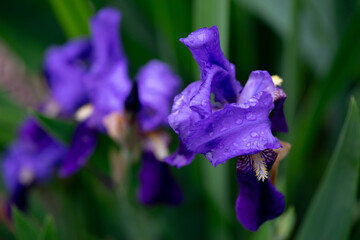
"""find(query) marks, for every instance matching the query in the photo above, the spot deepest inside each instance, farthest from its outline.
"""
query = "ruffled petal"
(258, 201)
(277, 116)
(157, 185)
(181, 157)
(157, 87)
(204, 44)
(65, 68)
(237, 129)
(82, 146)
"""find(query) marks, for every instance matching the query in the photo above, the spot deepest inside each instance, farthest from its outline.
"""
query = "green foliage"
(331, 211)
(59, 129)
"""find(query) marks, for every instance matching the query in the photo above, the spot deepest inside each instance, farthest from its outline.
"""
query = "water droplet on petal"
(254, 134)
(250, 117)
(211, 133)
(235, 144)
(248, 145)
(203, 102)
(239, 121)
(223, 129)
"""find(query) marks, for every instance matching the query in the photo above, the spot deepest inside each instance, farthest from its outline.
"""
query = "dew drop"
(250, 117)
(248, 145)
(203, 102)
(211, 133)
(235, 144)
(254, 134)
(239, 121)
(223, 129)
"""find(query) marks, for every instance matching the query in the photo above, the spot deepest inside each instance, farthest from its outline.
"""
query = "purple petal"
(181, 157)
(65, 68)
(108, 92)
(258, 81)
(157, 185)
(237, 129)
(157, 87)
(257, 201)
(182, 116)
(277, 116)
(32, 158)
(204, 44)
(82, 146)
(105, 39)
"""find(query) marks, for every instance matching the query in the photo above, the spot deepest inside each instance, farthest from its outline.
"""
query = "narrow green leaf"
(345, 62)
(331, 211)
(49, 230)
(59, 129)
(73, 16)
(25, 229)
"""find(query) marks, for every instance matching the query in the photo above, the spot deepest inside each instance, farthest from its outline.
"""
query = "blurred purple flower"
(157, 85)
(234, 124)
(32, 159)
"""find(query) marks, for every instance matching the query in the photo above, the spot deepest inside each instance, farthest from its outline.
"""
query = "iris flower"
(89, 80)
(220, 119)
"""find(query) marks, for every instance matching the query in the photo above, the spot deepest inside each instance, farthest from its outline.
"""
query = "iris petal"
(157, 185)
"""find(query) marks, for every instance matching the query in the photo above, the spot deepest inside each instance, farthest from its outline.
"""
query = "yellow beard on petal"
(259, 166)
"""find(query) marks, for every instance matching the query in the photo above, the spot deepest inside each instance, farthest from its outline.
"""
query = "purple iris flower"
(88, 80)
(157, 85)
(219, 118)
(31, 159)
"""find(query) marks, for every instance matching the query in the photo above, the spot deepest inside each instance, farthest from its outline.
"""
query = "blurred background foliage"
(313, 45)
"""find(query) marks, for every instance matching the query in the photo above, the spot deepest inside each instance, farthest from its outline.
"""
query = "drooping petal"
(82, 146)
(204, 44)
(277, 116)
(65, 68)
(181, 157)
(157, 87)
(258, 201)
(237, 129)
(33, 157)
(107, 48)
(157, 185)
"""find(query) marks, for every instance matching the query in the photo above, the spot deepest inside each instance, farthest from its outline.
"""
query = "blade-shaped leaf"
(49, 230)
(25, 229)
(73, 16)
(330, 213)
(59, 129)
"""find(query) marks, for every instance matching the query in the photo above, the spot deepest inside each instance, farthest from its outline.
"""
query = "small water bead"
(239, 121)
(250, 117)
(211, 133)
(230, 113)
(235, 144)
(223, 129)
(244, 105)
(254, 134)
(203, 102)
(252, 102)
(248, 145)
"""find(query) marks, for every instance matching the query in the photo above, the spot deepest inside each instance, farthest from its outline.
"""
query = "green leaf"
(49, 230)
(331, 211)
(59, 129)
(73, 16)
(25, 229)
(10, 118)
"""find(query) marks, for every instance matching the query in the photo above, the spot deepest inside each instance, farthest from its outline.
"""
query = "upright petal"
(258, 81)
(82, 146)
(258, 201)
(65, 68)
(204, 44)
(105, 40)
(157, 185)
(157, 87)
